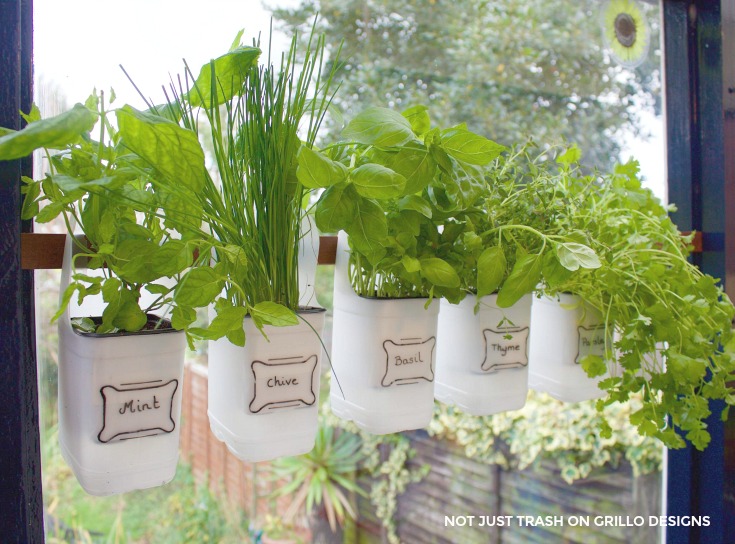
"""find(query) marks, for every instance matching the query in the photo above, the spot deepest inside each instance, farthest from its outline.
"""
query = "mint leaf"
(230, 72)
(55, 132)
(173, 151)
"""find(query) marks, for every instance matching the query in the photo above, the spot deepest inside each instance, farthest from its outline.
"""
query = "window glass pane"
(512, 70)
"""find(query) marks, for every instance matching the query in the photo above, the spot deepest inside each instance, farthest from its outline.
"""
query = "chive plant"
(256, 204)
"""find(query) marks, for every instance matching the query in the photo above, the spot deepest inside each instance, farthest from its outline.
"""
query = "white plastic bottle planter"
(263, 398)
(563, 331)
(383, 356)
(119, 404)
(482, 359)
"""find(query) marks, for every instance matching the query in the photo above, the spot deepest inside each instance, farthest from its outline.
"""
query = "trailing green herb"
(673, 324)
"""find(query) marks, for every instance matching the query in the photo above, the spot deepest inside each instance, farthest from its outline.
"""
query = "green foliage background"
(509, 69)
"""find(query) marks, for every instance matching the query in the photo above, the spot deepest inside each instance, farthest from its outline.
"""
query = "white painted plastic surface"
(563, 330)
(119, 405)
(482, 359)
(383, 357)
(264, 397)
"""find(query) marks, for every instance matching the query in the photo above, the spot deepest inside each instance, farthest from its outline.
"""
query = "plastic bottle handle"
(342, 287)
(64, 321)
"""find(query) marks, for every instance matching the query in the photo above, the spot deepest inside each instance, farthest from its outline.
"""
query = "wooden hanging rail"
(45, 251)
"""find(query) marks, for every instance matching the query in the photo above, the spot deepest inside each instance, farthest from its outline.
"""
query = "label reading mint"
(283, 383)
(408, 361)
(137, 410)
(591, 342)
(506, 348)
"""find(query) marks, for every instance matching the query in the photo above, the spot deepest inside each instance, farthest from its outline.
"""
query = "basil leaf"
(415, 203)
(198, 287)
(368, 228)
(522, 280)
(377, 181)
(574, 256)
(272, 313)
(439, 272)
(414, 164)
(316, 170)
(469, 147)
(418, 116)
(336, 208)
(491, 267)
(380, 127)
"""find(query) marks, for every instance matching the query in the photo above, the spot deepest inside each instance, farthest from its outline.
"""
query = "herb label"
(505, 348)
(408, 362)
(591, 342)
(283, 383)
(137, 410)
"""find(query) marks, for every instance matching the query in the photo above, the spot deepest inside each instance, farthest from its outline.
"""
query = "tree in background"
(510, 69)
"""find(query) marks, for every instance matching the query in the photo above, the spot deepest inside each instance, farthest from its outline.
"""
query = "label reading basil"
(282, 384)
(137, 410)
(408, 362)
(505, 348)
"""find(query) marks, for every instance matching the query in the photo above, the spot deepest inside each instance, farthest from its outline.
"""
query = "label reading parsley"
(591, 342)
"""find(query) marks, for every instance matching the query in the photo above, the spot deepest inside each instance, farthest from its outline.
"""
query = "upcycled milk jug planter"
(263, 396)
(482, 359)
(383, 357)
(119, 404)
(564, 330)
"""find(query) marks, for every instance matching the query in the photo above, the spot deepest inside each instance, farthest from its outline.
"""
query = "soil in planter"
(154, 325)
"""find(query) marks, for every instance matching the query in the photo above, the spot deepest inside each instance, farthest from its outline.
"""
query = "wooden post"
(21, 501)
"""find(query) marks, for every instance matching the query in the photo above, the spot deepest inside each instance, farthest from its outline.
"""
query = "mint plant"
(126, 242)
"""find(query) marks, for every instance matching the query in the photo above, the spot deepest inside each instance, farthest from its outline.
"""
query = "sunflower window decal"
(626, 32)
